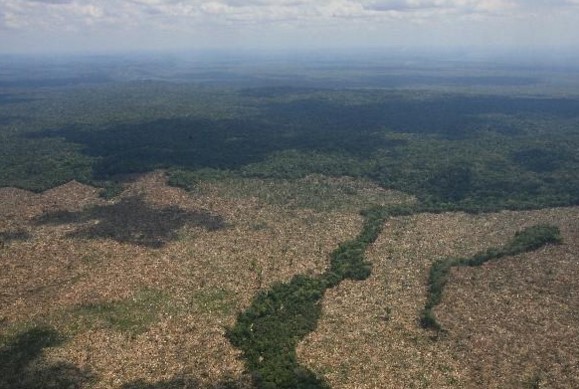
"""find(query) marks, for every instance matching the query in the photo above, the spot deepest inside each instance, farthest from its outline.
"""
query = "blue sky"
(103, 25)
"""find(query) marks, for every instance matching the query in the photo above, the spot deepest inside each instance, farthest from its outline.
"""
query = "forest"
(449, 148)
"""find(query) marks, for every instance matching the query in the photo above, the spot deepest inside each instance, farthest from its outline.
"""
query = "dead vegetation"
(514, 328)
(154, 316)
(200, 280)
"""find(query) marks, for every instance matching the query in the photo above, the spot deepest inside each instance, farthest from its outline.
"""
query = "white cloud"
(51, 1)
(233, 22)
(45, 13)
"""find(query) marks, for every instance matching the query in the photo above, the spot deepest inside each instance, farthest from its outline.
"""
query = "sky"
(30, 26)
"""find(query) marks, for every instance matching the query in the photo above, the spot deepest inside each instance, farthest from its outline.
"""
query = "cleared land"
(135, 312)
(511, 322)
(132, 311)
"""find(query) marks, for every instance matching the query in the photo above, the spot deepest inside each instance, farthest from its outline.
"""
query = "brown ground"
(206, 277)
(510, 323)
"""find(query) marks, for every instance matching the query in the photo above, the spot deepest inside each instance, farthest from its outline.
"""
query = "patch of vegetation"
(270, 329)
(183, 179)
(215, 300)
(131, 220)
(534, 382)
(110, 189)
(133, 315)
(526, 240)
(22, 365)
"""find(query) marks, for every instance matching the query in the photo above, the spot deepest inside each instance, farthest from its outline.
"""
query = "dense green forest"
(452, 148)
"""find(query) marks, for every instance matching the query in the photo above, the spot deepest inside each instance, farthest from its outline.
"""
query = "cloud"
(441, 6)
(163, 13)
(51, 1)
(400, 5)
(215, 22)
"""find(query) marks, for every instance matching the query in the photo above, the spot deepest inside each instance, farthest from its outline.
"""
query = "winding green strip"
(526, 240)
(270, 329)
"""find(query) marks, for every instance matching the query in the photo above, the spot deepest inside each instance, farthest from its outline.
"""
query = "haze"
(55, 26)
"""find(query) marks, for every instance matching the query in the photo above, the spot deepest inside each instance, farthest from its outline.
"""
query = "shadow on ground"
(10, 236)
(134, 221)
(22, 365)
(187, 383)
